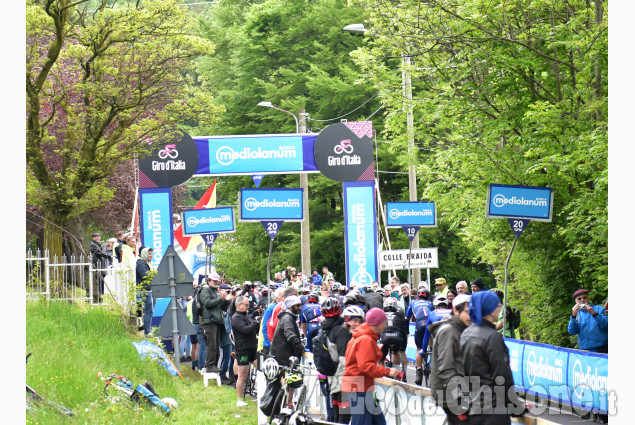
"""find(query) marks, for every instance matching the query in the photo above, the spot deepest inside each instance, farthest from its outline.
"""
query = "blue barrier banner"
(208, 220)
(360, 232)
(572, 377)
(588, 380)
(509, 201)
(271, 204)
(156, 220)
(249, 155)
(400, 214)
(516, 360)
(545, 371)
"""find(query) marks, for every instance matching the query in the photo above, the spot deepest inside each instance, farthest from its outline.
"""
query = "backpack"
(196, 300)
(515, 319)
(322, 358)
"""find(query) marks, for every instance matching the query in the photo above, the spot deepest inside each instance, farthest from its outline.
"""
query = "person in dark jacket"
(213, 301)
(143, 267)
(339, 335)
(447, 382)
(100, 261)
(485, 360)
(245, 331)
(286, 341)
(374, 300)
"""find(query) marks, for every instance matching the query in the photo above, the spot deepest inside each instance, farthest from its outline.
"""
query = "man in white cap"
(286, 341)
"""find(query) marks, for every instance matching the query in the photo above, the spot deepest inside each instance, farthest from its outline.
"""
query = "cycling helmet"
(331, 307)
(304, 290)
(423, 293)
(440, 299)
(343, 290)
(313, 298)
(294, 380)
(353, 311)
(264, 290)
(336, 286)
(390, 303)
(270, 368)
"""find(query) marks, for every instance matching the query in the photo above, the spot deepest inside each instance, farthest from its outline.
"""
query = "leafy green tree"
(103, 78)
(512, 93)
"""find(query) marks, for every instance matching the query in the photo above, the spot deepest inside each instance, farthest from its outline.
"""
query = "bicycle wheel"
(277, 405)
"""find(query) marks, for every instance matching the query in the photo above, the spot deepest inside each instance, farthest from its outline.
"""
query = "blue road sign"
(209, 239)
(208, 220)
(272, 227)
(401, 214)
(271, 204)
(509, 201)
(411, 231)
(518, 225)
(257, 178)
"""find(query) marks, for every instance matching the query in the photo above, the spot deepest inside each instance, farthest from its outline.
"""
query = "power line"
(342, 116)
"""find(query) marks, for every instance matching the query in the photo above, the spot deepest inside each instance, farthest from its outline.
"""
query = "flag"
(208, 200)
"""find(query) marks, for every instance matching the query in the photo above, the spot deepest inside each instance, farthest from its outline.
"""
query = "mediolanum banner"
(360, 232)
(156, 221)
(509, 201)
(267, 154)
(271, 204)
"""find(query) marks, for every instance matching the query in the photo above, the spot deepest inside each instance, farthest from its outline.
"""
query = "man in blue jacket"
(590, 322)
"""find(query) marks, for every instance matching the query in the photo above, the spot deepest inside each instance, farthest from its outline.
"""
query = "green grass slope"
(72, 344)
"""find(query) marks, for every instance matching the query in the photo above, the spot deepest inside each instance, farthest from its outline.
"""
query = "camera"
(583, 306)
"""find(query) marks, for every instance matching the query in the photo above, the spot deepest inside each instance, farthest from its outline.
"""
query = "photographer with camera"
(590, 322)
(213, 301)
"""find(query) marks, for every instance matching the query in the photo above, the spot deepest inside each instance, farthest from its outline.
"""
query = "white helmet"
(390, 302)
(440, 299)
(270, 368)
(353, 311)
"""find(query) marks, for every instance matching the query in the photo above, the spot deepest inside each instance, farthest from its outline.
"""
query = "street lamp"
(412, 177)
(305, 234)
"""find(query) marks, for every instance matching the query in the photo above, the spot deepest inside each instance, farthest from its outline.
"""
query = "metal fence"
(78, 280)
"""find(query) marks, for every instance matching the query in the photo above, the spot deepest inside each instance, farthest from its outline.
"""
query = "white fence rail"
(77, 279)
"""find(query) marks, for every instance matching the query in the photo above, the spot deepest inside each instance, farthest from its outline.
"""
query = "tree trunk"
(53, 233)
(76, 243)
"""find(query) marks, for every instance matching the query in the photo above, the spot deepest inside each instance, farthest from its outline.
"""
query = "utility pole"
(305, 233)
(412, 176)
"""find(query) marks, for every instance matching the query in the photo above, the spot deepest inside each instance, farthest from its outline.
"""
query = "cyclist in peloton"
(310, 318)
(395, 335)
(441, 309)
(419, 310)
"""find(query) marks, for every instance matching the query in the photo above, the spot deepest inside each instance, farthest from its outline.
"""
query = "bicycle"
(250, 382)
(392, 349)
(35, 400)
(426, 358)
(283, 412)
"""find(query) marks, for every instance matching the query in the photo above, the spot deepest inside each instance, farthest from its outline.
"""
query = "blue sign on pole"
(509, 201)
(208, 220)
(271, 204)
(518, 225)
(156, 221)
(249, 155)
(257, 178)
(272, 227)
(401, 214)
(209, 239)
(411, 231)
(360, 232)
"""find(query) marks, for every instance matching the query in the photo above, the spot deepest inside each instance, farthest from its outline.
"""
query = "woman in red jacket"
(362, 357)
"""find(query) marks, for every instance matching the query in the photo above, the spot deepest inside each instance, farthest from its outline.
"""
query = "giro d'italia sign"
(171, 163)
(343, 154)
